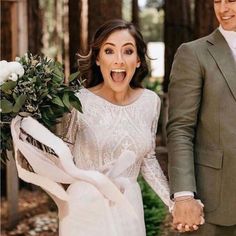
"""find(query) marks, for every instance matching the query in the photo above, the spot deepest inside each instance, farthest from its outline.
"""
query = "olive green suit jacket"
(201, 129)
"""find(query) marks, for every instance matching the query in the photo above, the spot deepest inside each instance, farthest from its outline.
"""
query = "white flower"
(13, 77)
(10, 70)
(16, 67)
(4, 73)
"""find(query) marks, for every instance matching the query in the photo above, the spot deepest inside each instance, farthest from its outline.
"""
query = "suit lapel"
(222, 55)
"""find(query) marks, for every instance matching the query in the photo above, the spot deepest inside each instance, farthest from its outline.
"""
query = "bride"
(111, 142)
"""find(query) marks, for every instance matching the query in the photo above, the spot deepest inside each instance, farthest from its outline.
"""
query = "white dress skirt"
(105, 149)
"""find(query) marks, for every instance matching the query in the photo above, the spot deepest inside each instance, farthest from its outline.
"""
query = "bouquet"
(34, 86)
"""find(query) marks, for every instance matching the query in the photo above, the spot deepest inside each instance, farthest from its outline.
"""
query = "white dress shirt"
(230, 37)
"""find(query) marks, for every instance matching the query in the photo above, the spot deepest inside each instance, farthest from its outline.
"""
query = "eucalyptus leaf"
(51, 114)
(57, 79)
(25, 114)
(58, 101)
(34, 79)
(6, 106)
(46, 122)
(44, 94)
(59, 73)
(14, 95)
(45, 115)
(75, 102)
(58, 64)
(19, 103)
(8, 85)
(73, 76)
(66, 100)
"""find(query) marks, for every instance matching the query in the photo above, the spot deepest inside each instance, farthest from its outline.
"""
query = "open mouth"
(118, 75)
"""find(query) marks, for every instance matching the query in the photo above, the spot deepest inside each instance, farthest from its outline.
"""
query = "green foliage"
(154, 209)
(126, 10)
(155, 3)
(154, 84)
(40, 93)
(151, 24)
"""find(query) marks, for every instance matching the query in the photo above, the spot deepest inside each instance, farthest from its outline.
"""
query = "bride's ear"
(97, 62)
(138, 63)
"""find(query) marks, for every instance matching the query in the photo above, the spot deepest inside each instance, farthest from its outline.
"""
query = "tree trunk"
(178, 29)
(205, 20)
(12, 191)
(59, 29)
(14, 42)
(6, 32)
(100, 11)
(34, 27)
(8, 29)
(135, 13)
(65, 46)
(74, 32)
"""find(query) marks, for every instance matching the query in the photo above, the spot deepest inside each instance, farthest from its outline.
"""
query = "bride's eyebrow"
(112, 44)
(126, 44)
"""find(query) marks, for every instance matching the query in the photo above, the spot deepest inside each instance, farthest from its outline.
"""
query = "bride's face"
(118, 60)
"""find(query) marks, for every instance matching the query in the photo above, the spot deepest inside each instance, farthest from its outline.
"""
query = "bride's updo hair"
(90, 72)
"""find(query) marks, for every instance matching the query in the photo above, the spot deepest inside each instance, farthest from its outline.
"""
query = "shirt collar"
(230, 37)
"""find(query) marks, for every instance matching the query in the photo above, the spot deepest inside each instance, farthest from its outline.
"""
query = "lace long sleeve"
(151, 169)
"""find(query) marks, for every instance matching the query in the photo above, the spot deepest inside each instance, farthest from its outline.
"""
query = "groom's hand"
(187, 214)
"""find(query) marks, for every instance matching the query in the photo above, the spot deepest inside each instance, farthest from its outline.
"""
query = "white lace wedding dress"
(111, 145)
(103, 133)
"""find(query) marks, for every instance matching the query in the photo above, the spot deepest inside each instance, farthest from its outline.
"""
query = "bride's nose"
(119, 58)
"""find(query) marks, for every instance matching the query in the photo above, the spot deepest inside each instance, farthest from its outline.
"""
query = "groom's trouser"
(212, 230)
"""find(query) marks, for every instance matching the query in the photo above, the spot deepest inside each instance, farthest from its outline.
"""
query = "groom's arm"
(185, 91)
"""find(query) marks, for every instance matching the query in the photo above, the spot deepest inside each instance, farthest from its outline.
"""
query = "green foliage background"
(154, 209)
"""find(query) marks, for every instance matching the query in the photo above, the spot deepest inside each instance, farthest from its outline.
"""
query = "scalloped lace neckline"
(115, 105)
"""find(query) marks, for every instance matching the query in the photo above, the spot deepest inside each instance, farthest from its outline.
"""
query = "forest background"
(59, 29)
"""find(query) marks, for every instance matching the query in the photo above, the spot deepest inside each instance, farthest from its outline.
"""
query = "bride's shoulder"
(152, 96)
(88, 91)
(82, 93)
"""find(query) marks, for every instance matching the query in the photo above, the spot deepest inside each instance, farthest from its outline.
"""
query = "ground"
(39, 218)
(36, 219)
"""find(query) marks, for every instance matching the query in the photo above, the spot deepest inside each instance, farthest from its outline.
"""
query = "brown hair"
(90, 72)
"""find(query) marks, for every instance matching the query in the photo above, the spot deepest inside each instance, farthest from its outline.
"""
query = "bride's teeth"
(118, 70)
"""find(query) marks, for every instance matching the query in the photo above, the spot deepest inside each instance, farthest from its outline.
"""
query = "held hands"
(187, 214)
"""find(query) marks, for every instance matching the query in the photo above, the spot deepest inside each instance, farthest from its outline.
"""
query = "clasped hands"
(187, 214)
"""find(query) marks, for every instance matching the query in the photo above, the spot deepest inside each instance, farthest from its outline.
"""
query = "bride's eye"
(129, 51)
(108, 51)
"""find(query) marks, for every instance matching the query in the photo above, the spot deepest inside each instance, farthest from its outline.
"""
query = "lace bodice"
(104, 130)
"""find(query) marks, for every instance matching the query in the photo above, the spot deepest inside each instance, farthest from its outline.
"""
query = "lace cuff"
(155, 177)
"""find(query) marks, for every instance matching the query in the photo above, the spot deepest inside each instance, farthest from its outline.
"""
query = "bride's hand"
(187, 214)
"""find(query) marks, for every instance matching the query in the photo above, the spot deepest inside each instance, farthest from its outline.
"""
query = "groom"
(202, 129)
